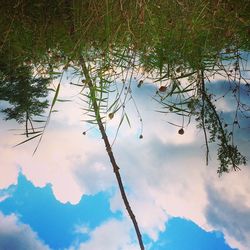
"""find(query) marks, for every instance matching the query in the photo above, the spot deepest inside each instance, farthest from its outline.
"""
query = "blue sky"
(66, 197)
(56, 223)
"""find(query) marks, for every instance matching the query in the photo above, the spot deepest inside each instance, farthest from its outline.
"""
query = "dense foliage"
(167, 41)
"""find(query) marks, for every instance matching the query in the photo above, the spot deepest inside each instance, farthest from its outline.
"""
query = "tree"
(24, 92)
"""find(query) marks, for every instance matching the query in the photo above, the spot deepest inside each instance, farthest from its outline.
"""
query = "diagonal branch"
(202, 88)
(109, 151)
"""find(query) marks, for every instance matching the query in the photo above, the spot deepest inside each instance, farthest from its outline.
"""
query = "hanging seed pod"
(162, 88)
(111, 115)
(178, 69)
(181, 131)
(141, 136)
(140, 83)
(84, 133)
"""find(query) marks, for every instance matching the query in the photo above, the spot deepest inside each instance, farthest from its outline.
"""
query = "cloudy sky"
(66, 196)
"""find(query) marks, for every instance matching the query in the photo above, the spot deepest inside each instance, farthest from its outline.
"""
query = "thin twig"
(109, 151)
(203, 114)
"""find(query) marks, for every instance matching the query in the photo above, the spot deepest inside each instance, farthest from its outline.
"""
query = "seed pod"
(111, 115)
(181, 131)
(140, 83)
(141, 136)
(162, 88)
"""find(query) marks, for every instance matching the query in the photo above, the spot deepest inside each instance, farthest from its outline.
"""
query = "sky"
(66, 196)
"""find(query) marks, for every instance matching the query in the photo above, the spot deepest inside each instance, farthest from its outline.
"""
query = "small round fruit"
(111, 115)
(181, 131)
(162, 88)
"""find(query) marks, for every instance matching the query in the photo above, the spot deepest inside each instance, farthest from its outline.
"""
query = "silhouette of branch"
(202, 88)
(231, 151)
(109, 150)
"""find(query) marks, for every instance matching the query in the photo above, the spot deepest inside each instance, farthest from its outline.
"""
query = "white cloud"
(165, 185)
(228, 208)
(8, 162)
(61, 156)
(81, 229)
(150, 216)
(18, 236)
(6, 193)
(173, 178)
(165, 173)
(4, 197)
(112, 235)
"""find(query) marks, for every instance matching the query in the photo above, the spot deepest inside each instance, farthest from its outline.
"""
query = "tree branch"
(109, 151)
(202, 88)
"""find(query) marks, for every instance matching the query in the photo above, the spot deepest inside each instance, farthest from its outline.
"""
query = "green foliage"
(169, 42)
(228, 153)
(172, 31)
(192, 99)
(23, 91)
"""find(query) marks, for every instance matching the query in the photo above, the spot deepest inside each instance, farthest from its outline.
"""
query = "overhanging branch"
(109, 150)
